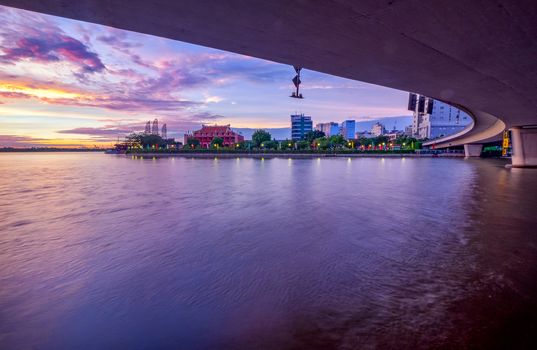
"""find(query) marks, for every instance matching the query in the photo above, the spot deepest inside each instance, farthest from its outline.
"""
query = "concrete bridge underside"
(480, 55)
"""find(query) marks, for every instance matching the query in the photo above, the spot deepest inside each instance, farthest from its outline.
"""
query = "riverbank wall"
(294, 155)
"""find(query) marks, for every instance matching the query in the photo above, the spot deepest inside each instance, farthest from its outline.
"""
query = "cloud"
(8, 94)
(115, 120)
(147, 97)
(235, 67)
(321, 86)
(115, 40)
(168, 81)
(95, 131)
(213, 99)
(126, 104)
(46, 47)
(19, 141)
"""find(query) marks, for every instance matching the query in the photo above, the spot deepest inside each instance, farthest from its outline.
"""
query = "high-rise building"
(378, 129)
(446, 120)
(421, 106)
(433, 118)
(147, 128)
(329, 129)
(154, 129)
(348, 128)
(164, 132)
(300, 126)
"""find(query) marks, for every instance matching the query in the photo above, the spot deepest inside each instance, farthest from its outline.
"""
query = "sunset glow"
(42, 93)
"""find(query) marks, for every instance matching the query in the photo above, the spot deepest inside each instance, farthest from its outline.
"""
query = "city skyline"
(70, 83)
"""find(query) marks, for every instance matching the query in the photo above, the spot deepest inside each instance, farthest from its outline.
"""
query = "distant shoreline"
(44, 150)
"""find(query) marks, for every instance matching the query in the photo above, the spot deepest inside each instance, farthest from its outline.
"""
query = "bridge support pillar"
(524, 143)
(472, 150)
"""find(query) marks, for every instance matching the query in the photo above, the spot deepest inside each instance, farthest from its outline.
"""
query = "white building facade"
(378, 129)
(433, 119)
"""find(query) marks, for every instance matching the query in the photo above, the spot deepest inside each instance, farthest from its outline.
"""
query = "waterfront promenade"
(295, 155)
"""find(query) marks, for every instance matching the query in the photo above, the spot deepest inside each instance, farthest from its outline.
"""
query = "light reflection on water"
(102, 251)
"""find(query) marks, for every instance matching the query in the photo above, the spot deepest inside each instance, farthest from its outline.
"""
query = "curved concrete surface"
(478, 54)
(485, 128)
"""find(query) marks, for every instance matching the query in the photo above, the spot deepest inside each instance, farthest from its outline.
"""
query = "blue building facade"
(348, 129)
(329, 129)
(300, 126)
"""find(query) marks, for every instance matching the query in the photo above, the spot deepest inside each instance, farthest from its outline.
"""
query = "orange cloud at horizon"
(14, 89)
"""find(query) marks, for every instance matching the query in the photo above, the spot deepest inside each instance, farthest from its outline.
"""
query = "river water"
(110, 252)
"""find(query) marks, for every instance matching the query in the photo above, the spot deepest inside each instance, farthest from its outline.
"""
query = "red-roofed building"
(208, 132)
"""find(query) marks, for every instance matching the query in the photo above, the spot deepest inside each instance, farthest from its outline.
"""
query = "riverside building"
(300, 125)
(208, 132)
(329, 129)
(378, 129)
(348, 128)
(433, 118)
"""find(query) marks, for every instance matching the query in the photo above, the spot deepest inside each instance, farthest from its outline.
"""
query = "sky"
(66, 83)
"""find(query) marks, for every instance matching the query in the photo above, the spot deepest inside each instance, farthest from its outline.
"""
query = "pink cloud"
(47, 47)
(14, 95)
(19, 141)
(116, 39)
(95, 131)
(124, 103)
